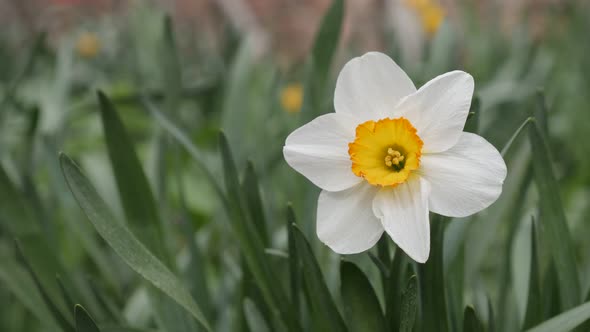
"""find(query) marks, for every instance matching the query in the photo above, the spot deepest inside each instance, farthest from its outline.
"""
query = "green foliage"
(84, 323)
(553, 219)
(325, 314)
(361, 306)
(125, 244)
(409, 305)
(188, 228)
(470, 321)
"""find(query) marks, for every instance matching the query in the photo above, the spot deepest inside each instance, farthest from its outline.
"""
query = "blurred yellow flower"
(292, 97)
(430, 12)
(88, 45)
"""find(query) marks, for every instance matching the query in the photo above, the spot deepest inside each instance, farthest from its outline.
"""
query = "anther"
(393, 157)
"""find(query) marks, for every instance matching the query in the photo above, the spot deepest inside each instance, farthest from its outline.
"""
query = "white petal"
(439, 109)
(370, 87)
(345, 220)
(319, 151)
(465, 179)
(403, 211)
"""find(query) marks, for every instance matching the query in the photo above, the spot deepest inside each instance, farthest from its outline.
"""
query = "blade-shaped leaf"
(251, 191)
(326, 40)
(551, 300)
(16, 216)
(138, 201)
(84, 323)
(135, 192)
(65, 293)
(409, 305)
(63, 321)
(361, 306)
(254, 318)
(534, 308)
(552, 219)
(19, 282)
(565, 321)
(516, 134)
(184, 140)
(432, 282)
(294, 270)
(471, 323)
(125, 244)
(172, 71)
(250, 242)
(393, 288)
(322, 307)
(319, 63)
(472, 123)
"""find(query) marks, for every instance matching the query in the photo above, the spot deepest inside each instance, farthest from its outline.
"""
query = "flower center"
(385, 152)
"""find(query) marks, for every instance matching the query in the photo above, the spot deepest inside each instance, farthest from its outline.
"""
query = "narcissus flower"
(88, 45)
(292, 97)
(430, 12)
(390, 154)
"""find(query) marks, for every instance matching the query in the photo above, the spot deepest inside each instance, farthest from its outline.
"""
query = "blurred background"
(244, 66)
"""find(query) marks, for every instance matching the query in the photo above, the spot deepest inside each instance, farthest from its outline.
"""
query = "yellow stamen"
(386, 151)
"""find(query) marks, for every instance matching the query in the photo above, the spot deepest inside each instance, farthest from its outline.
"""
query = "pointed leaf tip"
(84, 323)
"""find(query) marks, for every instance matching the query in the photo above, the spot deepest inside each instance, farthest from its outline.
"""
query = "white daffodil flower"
(391, 153)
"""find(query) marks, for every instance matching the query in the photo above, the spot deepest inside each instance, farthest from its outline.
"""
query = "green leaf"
(553, 221)
(472, 123)
(409, 305)
(84, 323)
(516, 134)
(471, 323)
(138, 202)
(393, 287)
(65, 293)
(250, 242)
(541, 111)
(515, 209)
(320, 61)
(125, 244)
(254, 318)
(294, 271)
(20, 283)
(64, 322)
(534, 308)
(186, 142)
(136, 195)
(432, 281)
(326, 40)
(361, 306)
(323, 310)
(28, 66)
(16, 215)
(551, 299)
(251, 191)
(566, 321)
(455, 287)
(171, 69)
(586, 325)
